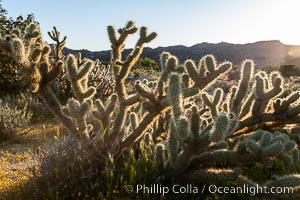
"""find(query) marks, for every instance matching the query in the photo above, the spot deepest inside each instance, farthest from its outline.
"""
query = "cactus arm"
(55, 107)
(121, 72)
(290, 181)
(55, 36)
(172, 145)
(140, 129)
(144, 92)
(212, 175)
(213, 102)
(77, 75)
(175, 95)
(78, 111)
(246, 75)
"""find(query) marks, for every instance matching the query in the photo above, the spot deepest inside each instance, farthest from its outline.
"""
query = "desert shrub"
(12, 118)
(147, 64)
(34, 103)
(270, 68)
(288, 70)
(11, 80)
(71, 170)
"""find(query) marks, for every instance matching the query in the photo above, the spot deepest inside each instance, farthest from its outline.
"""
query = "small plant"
(12, 118)
(34, 105)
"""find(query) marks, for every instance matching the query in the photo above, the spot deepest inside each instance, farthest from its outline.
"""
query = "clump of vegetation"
(35, 105)
(12, 118)
(11, 80)
(288, 70)
(70, 170)
(147, 64)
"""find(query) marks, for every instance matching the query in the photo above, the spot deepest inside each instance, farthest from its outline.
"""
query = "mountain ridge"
(263, 53)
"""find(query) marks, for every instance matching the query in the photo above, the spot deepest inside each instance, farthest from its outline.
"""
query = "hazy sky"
(177, 22)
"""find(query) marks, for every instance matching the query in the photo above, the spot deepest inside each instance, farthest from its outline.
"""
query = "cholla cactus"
(203, 130)
(33, 56)
(200, 142)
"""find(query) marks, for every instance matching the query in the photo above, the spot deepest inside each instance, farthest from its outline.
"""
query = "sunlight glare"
(280, 20)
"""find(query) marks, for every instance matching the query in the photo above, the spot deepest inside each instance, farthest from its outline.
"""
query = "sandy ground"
(20, 156)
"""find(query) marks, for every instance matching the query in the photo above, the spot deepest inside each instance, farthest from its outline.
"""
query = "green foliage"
(9, 25)
(11, 81)
(147, 64)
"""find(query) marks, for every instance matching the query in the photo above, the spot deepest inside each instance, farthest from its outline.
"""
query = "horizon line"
(189, 46)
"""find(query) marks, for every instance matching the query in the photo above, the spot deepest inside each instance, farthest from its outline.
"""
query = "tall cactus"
(33, 56)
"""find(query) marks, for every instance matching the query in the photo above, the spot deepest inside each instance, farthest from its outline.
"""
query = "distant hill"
(263, 52)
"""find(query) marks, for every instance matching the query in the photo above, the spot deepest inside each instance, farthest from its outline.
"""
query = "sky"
(177, 22)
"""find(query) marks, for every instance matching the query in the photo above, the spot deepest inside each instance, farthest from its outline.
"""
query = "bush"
(11, 80)
(40, 112)
(72, 170)
(288, 70)
(147, 64)
(12, 118)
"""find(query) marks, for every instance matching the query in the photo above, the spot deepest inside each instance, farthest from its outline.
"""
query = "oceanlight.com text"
(192, 189)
